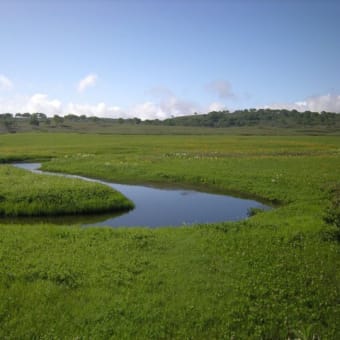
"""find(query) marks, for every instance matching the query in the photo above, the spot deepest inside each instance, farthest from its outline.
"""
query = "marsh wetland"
(272, 275)
(157, 207)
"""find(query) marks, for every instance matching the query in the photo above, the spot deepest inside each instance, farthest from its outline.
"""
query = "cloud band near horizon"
(164, 103)
(163, 109)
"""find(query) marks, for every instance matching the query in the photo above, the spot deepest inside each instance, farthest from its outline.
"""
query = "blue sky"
(155, 59)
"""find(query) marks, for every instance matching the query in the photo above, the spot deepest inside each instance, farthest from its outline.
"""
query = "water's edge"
(154, 207)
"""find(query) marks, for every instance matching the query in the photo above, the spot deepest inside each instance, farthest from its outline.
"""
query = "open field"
(275, 275)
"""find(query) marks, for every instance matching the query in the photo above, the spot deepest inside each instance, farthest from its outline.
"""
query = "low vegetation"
(272, 276)
(26, 194)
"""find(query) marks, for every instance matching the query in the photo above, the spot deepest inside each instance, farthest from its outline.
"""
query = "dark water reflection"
(156, 207)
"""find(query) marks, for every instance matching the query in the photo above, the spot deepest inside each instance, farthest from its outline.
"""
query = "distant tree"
(136, 121)
(34, 120)
(8, 122)
(94, 119)
(57, 120)
(40, 116)
(6, 115)
(71, 117)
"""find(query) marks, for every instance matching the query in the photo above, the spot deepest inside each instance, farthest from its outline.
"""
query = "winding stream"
(156, 207)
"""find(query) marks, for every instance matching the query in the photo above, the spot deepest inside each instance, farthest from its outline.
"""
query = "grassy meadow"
(275, 275)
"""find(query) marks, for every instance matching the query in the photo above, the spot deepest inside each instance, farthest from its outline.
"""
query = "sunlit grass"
(26, 194)
(272, 276)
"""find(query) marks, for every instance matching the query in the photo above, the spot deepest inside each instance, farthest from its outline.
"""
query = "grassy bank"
(273, 276)
(203, 282)
(26, 194)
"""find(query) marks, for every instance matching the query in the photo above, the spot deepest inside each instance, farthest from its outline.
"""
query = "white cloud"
(9, 106)
(5, 83)
(221, 88)
(174, 106)
(165, 104)
(88, 81)
(170, 108)
(98, 110)
(216, 106)
(40, 102)
(166, 108)
(327, 102)
(148, 110)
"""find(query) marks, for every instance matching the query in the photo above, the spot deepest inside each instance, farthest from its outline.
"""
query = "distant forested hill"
(253, 117)
(253, 120)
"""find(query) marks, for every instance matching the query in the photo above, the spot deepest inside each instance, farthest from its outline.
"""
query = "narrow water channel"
(156, 207)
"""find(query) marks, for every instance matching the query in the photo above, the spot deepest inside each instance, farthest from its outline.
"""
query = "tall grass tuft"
(26, 194)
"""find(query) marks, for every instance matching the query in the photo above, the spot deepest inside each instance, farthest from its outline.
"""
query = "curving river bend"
(156, 207)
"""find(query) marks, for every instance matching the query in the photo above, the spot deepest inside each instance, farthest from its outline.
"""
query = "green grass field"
(275, 275)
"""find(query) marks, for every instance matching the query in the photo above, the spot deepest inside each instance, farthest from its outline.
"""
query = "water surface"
(156, 207)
